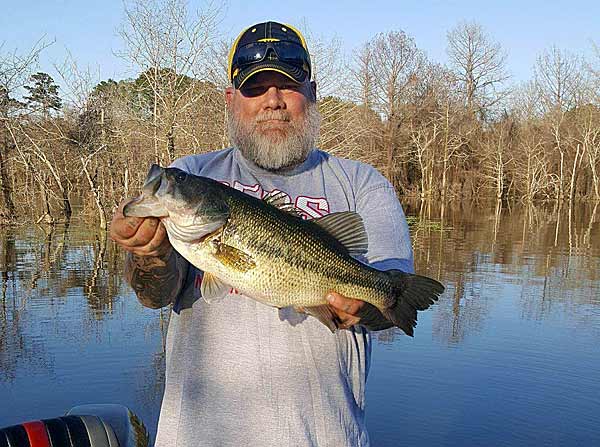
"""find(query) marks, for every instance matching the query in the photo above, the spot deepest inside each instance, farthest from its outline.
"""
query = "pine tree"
(43, 95)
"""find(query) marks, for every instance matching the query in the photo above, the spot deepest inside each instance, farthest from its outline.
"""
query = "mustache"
(278, 115)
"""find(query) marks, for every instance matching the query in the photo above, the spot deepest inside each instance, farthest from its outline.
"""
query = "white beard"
(274, 147)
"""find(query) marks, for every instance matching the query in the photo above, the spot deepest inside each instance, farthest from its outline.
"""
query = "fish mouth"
(147, 204)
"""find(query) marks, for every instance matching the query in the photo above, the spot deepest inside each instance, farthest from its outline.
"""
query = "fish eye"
(180, 177)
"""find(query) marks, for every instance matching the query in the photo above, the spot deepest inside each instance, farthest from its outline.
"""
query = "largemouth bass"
(266, 251)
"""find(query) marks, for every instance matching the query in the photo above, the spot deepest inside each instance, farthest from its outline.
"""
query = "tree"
(326, 62)
(14, 70)
(161, 37)
(388, 77)
(558, 76)
(497, 155)
(43, 94)
(594, 71)
(479, 65)
(559, 79)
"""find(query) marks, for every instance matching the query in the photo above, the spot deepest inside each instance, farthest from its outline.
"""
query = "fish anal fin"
(233, 258)
(348, 228)
(212, 288)
(322, 313)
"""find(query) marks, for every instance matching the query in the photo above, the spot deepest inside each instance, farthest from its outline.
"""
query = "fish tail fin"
(410, 293)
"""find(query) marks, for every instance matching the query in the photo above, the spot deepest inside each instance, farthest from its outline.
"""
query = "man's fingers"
(347, 323)
(145, 232)
(121, 227)
(346, 309)
(344, 304)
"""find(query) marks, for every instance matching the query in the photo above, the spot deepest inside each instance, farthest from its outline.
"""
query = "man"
(239, 372)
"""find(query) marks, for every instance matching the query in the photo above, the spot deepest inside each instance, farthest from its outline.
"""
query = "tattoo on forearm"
(156, 281)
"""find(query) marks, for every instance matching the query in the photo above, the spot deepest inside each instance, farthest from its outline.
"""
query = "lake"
(510, 355)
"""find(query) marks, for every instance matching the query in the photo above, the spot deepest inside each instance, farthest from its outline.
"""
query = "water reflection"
(518, 325)
(513, 339)
(71, 331)
(546, 252)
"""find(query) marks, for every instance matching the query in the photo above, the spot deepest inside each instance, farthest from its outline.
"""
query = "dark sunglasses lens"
(290, 52)
(248, 54)
(255, 52)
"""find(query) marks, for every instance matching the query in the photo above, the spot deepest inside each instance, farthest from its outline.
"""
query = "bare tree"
(558, 76)
(361, 91)
(326, 62)
(15, 69)
(588, 137)
(559, 79)
(423, 138)
(497, 156)
(594, 72)
(479, 65)
(389, 75)
(172, 49)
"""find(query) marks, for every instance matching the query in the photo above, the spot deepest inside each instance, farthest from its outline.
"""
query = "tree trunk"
(595, 179)
(8, 207)
(561, 191)
(390, 152)
(574, 175)
(95, 193)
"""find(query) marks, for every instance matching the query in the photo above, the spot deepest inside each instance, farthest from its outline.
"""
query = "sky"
(87, 30)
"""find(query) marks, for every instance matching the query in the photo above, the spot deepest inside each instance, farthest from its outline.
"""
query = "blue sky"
(87, 29)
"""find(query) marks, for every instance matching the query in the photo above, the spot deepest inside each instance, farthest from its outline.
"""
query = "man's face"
(273, 120)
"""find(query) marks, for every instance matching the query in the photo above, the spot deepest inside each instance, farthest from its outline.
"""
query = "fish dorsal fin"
(281, 200)
(348, 228)
(212, 288)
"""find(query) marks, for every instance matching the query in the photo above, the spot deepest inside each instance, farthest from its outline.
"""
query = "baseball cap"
(269, 46)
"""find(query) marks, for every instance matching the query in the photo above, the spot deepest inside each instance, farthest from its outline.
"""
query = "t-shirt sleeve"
(387, 230)
(190, 164)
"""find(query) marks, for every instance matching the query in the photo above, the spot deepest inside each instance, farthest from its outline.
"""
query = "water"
(509, 356)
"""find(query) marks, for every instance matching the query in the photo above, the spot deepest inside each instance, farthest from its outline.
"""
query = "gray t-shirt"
(239, 372)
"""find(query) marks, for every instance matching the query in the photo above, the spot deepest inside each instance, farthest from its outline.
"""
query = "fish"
(265, 250)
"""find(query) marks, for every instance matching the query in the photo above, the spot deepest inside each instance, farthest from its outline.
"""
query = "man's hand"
(153, 269)
(140, 236)
(346, 309)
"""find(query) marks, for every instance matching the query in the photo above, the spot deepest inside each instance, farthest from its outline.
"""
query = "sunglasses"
(288, 52)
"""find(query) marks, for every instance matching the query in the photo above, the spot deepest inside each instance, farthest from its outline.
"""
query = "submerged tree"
(15, 68)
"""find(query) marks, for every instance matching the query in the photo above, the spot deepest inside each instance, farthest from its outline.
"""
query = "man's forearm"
(156, 280)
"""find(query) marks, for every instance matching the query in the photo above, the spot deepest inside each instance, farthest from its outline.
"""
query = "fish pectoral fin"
(234, 258)
(348, 228)
(322, 313)
(212, 288)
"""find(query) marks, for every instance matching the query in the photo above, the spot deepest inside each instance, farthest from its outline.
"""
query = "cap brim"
(294, 73)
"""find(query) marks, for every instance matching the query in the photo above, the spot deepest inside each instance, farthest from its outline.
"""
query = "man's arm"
(156, 280)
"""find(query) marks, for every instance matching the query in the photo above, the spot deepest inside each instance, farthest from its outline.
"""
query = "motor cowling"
(103, 425)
